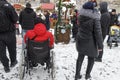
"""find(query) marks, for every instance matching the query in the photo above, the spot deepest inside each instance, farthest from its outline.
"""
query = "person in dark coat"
(89, 38)
(8, 38)
(105, 22)
(26, 20)
(75, 27)
(47, 19)
(114, 17)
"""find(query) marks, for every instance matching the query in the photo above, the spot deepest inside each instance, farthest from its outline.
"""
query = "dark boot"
(87, 76)
(78, 77)
(13, 63)
(7, 69)
(116, 44)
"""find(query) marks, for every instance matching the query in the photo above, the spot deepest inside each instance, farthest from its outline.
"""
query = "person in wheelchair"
(39, 34)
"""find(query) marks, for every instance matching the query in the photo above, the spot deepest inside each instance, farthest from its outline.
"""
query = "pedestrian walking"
(26, 20)
(105, 22)
(89, 38)
(47, 19)
(8, 19)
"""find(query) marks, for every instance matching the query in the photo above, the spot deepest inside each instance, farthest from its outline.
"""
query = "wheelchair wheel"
(25, 65)
(52, 64)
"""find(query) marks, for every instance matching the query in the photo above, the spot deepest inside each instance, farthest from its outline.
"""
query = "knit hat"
(28, 5)
(89, 5)
(113, 10)
(38, 20)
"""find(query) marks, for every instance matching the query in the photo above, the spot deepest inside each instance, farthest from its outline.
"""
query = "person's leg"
(11, 45)
(78, 66)
(89, 67)
(3, 58)
(48, 60)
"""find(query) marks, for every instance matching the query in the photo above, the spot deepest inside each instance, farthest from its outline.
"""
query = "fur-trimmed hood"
(94, 14)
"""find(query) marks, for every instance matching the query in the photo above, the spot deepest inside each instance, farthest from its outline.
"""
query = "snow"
(65, 56)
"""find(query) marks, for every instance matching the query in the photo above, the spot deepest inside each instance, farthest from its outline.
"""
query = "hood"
(94, 14)
(28, 10)
(40, 29)
(103, 7)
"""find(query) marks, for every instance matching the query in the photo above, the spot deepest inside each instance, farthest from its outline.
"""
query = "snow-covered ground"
(65, 56)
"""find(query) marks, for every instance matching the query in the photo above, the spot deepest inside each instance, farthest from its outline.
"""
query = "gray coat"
(89, 37)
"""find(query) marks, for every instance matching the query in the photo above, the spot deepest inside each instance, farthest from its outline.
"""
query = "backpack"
(4, 21)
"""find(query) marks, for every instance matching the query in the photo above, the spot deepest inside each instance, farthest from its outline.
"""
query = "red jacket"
(41, 34)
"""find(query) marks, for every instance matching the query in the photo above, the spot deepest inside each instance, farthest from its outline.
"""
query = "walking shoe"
(98, 59)
(7, 69)
(87, 76)
(108, 44)
(78, 77)
(116, 45)
(13, 63)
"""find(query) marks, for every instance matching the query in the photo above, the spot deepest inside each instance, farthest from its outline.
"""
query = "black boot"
(116, 44)
(13, 63)
(87, 76)
(7, 69)
(78, 77)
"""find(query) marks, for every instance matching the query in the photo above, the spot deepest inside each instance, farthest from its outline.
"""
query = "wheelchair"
(36, 53)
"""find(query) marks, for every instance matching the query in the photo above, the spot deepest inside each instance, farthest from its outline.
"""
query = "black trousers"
(79, 64)
(7, 40)
(74, 30)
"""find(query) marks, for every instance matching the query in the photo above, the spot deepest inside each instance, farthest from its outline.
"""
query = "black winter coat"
(11, 14)
(89, 37)
(105, 18)
(47, 21)
(26, 18)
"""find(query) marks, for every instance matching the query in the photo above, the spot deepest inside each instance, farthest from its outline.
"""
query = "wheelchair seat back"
(38, 51)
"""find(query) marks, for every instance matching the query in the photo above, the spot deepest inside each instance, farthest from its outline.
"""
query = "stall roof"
(48, 6)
